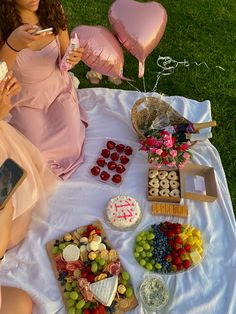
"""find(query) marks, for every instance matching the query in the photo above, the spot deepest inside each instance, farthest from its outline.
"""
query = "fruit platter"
(89, 272)
(169, 247)
(112, 162)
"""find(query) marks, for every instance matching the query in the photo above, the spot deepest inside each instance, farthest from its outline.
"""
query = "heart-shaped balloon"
(102, 51)
(138, 26)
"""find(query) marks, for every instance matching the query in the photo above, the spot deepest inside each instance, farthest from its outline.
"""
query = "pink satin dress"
(47, 110)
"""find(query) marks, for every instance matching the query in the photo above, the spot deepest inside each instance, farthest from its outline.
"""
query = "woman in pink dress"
(46, 110)
(29, 197)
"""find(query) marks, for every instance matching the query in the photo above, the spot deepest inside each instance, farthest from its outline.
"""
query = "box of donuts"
(195, 182)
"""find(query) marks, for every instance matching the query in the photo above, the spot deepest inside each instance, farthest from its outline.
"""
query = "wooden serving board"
(122, 303)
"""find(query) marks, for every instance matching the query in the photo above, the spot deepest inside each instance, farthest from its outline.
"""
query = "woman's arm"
(8, 88)
(19, 39)
(5, 226)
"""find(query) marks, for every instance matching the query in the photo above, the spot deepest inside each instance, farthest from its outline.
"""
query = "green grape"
(158, 266)
(79, 311)
(128, 292)
(62, 246)
(71, 310)
(97, 259)
(55, 250)
(70, 303)
(74, 295)
(143, 254)
(74, 284)
(94, 267)
(136, 254)
(149, 266)
(66, 295)
(68, 286)
(146, 247)
(142, 262)
(142, 233)
(125, 275)
(149, 254)
(124, 282)
(102, 262)
(150, 236)
(152, 262)
(139, 249)
(80, 304)
(139, 238)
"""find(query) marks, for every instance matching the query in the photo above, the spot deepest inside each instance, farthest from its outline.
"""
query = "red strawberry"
(90, 228)
(187, 247)
(179, 266)
(111, 165)
(86, 311)
(178, 240)
(177, 229)
(128, 150)
(104, 175)
(115, 156)
(170, 234)
(95, 171)
(90, 278)
(105, 153)
(186, 264)
(168, 258)
(120, 168)
(98, 232)
(174, 254)
(110, 144)
(124, 159)
(116, 178)
(176, 260)
(102, 309)
(177, 246)
(120, 148)
(84, 274)
(181, 251)
(171, 242)
(101, 161)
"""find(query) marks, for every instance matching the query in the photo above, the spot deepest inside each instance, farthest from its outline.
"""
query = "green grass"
(201, 31)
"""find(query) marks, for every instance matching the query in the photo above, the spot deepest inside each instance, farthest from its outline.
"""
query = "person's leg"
(15, 301)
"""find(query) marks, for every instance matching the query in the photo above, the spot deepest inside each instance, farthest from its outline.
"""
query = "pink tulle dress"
(47, 111)
(31, 195)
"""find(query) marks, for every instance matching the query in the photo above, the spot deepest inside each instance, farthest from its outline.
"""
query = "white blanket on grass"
(208, 288)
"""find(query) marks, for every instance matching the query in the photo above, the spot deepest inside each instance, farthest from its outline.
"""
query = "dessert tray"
(112, 162)
(89, 272)
(167, 247)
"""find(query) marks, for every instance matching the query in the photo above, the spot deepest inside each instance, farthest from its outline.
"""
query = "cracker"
(169, 210)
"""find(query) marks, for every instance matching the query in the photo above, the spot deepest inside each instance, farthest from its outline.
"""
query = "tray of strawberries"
(112, 162)
(169, 247)
(89, 272)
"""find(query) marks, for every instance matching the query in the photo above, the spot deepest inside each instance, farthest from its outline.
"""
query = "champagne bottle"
(189, 127)
(184, 137)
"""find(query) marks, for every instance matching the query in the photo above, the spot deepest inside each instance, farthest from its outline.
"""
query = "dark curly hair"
(50, 14)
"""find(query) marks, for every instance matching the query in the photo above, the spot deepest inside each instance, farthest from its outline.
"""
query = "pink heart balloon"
(138, 26)
(102, 51)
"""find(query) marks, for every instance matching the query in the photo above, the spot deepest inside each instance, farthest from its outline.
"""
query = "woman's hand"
(22, 37)
(8, 88)
(75, 56)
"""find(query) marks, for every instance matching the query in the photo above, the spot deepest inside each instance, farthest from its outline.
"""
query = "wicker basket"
(145, 111)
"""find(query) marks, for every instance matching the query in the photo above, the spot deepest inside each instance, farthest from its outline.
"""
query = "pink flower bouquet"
(163, 149)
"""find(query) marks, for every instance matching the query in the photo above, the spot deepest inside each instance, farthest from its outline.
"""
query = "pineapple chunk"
(195, 257)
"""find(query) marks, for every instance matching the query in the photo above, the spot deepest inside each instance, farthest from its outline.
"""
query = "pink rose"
(173, 153)
(150, 141)
(181, 166)
(158, 143)
(186, 155)
(159, 151)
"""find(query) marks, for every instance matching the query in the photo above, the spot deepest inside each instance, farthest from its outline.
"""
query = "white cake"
(123, 212)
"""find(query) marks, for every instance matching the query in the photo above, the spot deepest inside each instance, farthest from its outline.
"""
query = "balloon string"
(168, 66)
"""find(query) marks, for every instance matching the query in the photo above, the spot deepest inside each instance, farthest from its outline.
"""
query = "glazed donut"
(154, 192)
(164, 184)
(164, 192)
(162, 174)
(172, 175)
(153, 173)
(154, 183)
(175, 193)
(174, 184)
